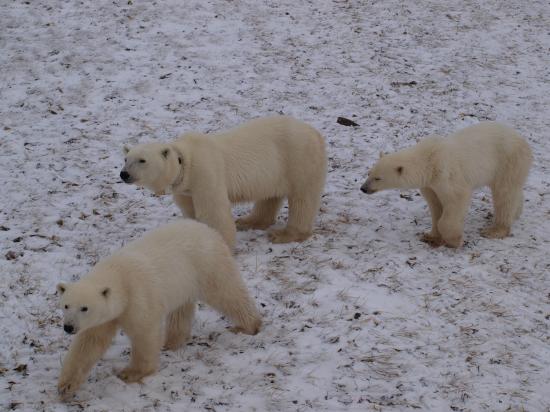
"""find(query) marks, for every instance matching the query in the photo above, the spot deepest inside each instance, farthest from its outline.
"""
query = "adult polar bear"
(447, 170)
(263, 161)
(149, 288)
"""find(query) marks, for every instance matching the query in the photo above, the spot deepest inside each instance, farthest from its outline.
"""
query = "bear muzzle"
(125, 176)
(69, 328)
(367, 189)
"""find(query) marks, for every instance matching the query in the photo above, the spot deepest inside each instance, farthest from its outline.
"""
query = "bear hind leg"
(178, 326)
(262, 216)
(507, 206)
(301, 215)
(519, 206)
(507, 190)
(229, 296)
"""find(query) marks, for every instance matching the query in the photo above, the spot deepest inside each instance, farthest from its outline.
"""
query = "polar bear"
(263, 161)
(149, 289)
(447, 170)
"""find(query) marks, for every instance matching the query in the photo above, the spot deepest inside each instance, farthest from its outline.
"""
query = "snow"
(363, 316)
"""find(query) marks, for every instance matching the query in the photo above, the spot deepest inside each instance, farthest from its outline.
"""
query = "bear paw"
(236, 329)
(432, 240)
(246, 223)
(175, 343)
(287, 236)
(251, 330)
(131, 375)
(453, 242)
(67, 388)
(495, 232)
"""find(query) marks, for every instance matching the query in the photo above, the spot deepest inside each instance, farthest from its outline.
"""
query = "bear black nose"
(68, 328)
(366, 189)
(124, 175)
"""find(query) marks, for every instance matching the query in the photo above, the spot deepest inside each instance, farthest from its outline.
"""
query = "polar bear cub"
(263, 161)
(447, 170)
(149, 289)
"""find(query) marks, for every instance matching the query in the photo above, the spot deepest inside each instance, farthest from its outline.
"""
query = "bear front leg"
(185, 203)
(214, 208)
(86, 349)
(451, 224)
(436, 209)
(146, 346)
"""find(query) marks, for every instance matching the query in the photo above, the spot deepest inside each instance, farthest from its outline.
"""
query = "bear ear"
(399, 170)
(125, 149)
(105, 292)
(61, 288)
(165, 153)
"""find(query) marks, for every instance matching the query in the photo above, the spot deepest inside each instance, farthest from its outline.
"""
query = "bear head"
(85, 305)
(390, 172)
(152, 165)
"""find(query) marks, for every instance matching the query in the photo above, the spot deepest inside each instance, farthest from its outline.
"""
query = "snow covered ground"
(363, 316)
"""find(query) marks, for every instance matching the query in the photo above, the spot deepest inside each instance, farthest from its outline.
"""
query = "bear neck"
(180, 183)
(418, 168)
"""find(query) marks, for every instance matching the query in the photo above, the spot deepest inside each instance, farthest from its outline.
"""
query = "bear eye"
(84, 309)
(377, 179)
(142, 160)
(66, 306)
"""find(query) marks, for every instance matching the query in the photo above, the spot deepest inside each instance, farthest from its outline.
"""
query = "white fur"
(264, 161)
(447, 170)
(149, 288)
